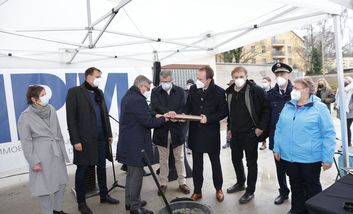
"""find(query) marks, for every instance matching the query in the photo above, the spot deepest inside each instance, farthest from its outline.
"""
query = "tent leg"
(340, 76)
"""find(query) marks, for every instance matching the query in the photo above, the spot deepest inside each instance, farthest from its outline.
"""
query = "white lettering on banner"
(13, 86)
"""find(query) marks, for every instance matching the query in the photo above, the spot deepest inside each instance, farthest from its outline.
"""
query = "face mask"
(188, 87)
(166, 85)
(97, 81)
(321, 86)
(44, 100)
(239, 82)
(281, 81)
(147, 94)
(295, 95)
(200, 84)
(345, 84)
(266, 85)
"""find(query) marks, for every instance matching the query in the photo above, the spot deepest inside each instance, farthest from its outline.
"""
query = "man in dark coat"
(90, 134)
(136, 122)
(278, 96)
(248, 121)
(169, 98)
(208, 100)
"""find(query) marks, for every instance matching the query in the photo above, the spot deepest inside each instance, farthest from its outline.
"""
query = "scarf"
(43, 112)
(97, 94)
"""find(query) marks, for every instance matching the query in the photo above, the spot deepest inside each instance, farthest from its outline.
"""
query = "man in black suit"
(90, 134)
(207, 100)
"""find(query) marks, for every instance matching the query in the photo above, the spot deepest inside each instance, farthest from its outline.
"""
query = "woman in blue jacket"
(304, 142)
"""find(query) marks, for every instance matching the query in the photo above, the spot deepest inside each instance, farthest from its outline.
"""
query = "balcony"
(278, 54)
(278, 42)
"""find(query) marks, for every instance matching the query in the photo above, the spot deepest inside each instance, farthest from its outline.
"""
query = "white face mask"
(147, 94)
(281, 81)
(44, 100)
(199, 84)
(266, 85)
(188, 86)
(239, 82)
(97, 81)
(166, 85)
(295, 94)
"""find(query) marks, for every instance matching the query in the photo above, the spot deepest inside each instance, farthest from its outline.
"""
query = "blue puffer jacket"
(307, 134)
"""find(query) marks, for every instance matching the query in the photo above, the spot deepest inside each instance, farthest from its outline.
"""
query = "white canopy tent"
(134, 33)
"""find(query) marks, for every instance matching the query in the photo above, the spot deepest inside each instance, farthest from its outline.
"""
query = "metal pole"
(89, 22)
(340, 76)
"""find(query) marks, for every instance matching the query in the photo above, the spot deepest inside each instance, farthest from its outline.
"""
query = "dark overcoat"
(205, 138)
(161, 103)
(81, 123)
(136, 122)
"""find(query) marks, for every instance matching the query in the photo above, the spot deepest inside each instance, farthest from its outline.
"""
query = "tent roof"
(136, 32)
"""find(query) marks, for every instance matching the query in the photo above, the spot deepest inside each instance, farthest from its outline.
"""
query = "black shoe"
(84, 209)
(109, 200)
(164, 189)
(236, 188)
(280, 199)
(143, 204)
(59, 212)
(141, 211)
(246, 197)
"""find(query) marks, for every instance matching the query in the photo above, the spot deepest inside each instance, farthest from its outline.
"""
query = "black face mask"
(321, 86)
(345, 84)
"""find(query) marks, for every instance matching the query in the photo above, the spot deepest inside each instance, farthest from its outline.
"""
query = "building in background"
(286, 47)
(182, 72)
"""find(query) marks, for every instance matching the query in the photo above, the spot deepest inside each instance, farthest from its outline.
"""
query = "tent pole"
(41, 38)
(89, 22)
(114, 10)
(340, 76)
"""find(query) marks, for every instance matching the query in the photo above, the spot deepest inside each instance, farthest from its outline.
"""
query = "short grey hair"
(140, 80)
(166, 74)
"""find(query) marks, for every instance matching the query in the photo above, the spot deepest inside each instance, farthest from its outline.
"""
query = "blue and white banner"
(13, 87)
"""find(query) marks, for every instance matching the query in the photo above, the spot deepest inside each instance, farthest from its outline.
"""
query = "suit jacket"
(162, 103)
(136, 122)
(205, 138)
(45, 145)
(81, 123)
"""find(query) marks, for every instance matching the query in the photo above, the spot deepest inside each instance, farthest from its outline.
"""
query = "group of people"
(292, 115)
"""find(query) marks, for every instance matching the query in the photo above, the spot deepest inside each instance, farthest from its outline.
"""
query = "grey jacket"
(45, 145)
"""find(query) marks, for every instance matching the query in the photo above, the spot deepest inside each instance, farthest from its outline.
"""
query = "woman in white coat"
(44, 149)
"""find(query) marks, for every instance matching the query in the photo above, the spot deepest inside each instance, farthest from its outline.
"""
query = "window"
(289, 49)
(290, 61)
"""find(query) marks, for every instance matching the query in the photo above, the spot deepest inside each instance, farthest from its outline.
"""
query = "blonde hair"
(307, 82)
(326, 84)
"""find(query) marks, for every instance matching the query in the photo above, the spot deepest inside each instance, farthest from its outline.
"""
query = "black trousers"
(349, 132)
(305, 183)
(101, 176)
(281, 178)
(197, 170)
(245, 142)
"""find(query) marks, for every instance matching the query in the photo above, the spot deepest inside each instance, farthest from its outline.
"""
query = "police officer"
(278, 96)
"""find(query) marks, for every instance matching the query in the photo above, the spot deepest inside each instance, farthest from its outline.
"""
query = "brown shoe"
(184, 189)
(220, 195)
(196, 197)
